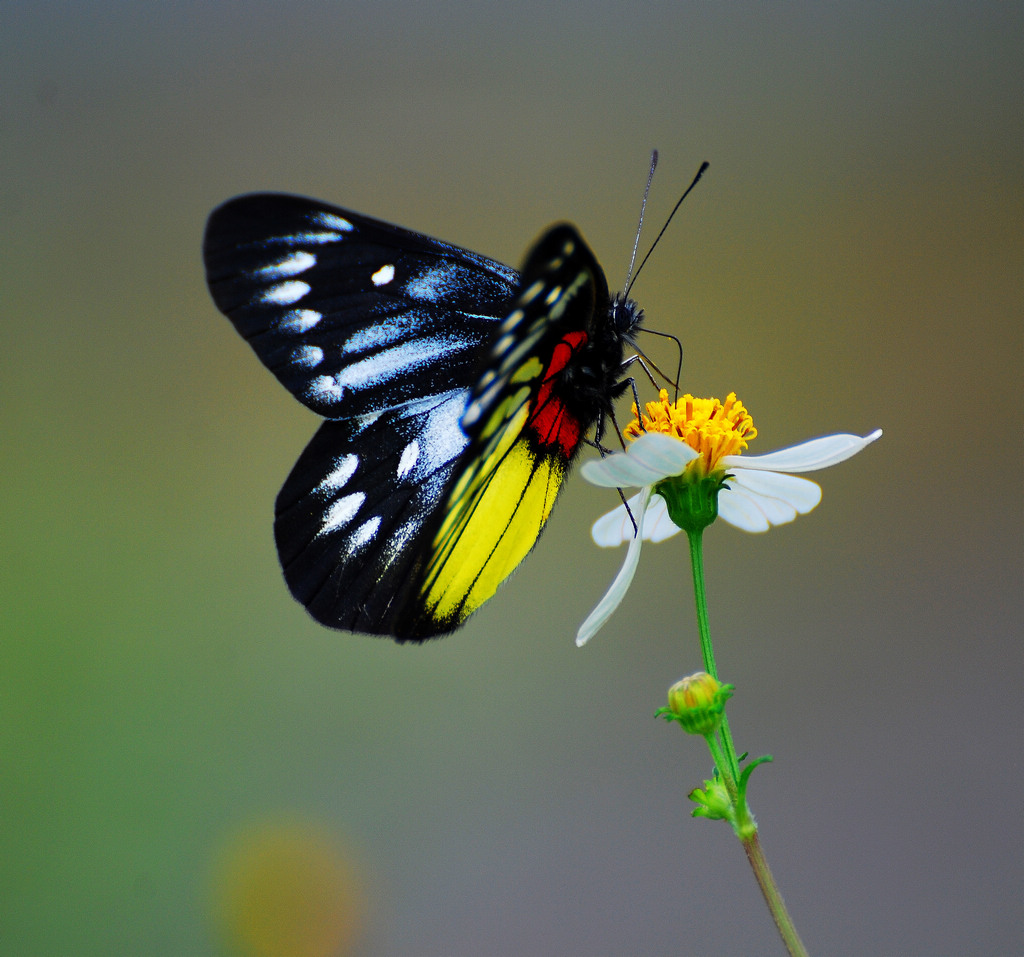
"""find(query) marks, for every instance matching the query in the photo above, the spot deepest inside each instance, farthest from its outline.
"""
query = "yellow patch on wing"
(494, 517)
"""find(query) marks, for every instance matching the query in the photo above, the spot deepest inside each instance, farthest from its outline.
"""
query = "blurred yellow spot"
(285, 890)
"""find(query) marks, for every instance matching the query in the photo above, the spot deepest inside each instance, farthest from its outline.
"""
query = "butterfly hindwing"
(456, 394)
(356, 515)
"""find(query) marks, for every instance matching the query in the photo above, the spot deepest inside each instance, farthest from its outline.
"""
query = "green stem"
(718, 756)
(706, 648)
(725, 759)
(773, 897)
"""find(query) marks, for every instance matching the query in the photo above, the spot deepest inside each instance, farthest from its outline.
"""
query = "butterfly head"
(626, 316)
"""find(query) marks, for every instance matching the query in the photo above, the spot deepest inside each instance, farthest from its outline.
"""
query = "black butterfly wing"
(353, 315)
(383, 331)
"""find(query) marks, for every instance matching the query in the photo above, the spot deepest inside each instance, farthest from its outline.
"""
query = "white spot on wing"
(299, 320)
(332, 221)
(375, 337)
(397, 541)
(312, 239)
(344, 469)
(325, 388)
(401, 358)
(434, 283)
(384, 275)
(341, 512)
(441, 439)
(409, 455)
(308, 356)
(285, 293)
(363, 534)
(292, 265)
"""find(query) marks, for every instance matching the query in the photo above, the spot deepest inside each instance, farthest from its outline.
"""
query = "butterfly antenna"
(696, 179)
(640, 225)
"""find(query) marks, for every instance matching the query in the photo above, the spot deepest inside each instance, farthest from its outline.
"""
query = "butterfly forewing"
(352, 315)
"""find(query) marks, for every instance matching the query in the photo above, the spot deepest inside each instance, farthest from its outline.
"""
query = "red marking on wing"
(551, 422)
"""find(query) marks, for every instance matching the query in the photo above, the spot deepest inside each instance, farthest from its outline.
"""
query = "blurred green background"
(853, 259)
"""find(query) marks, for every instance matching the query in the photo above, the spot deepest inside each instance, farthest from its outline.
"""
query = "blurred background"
(190, 766)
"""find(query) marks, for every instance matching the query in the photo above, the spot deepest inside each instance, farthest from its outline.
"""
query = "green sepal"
(712, 801)
(692, 502)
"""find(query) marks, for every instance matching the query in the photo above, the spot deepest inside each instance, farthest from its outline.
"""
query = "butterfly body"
(457, 393)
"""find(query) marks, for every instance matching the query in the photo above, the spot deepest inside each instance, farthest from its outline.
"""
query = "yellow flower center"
(710, 427)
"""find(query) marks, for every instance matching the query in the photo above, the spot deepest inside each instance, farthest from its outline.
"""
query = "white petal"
(615, 527)
(657, 525)
(775, 511)
(662, 453)
(754, 501)
(806, 457)
(800, 493)
(738, 508)
(649, 459)
(613, 597)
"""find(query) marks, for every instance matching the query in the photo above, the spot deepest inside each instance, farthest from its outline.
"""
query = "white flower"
(758, 491)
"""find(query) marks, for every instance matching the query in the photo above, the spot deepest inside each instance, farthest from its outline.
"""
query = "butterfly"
(456, 394)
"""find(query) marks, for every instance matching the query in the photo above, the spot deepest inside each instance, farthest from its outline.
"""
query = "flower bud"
(697, 702)
(712, 801)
